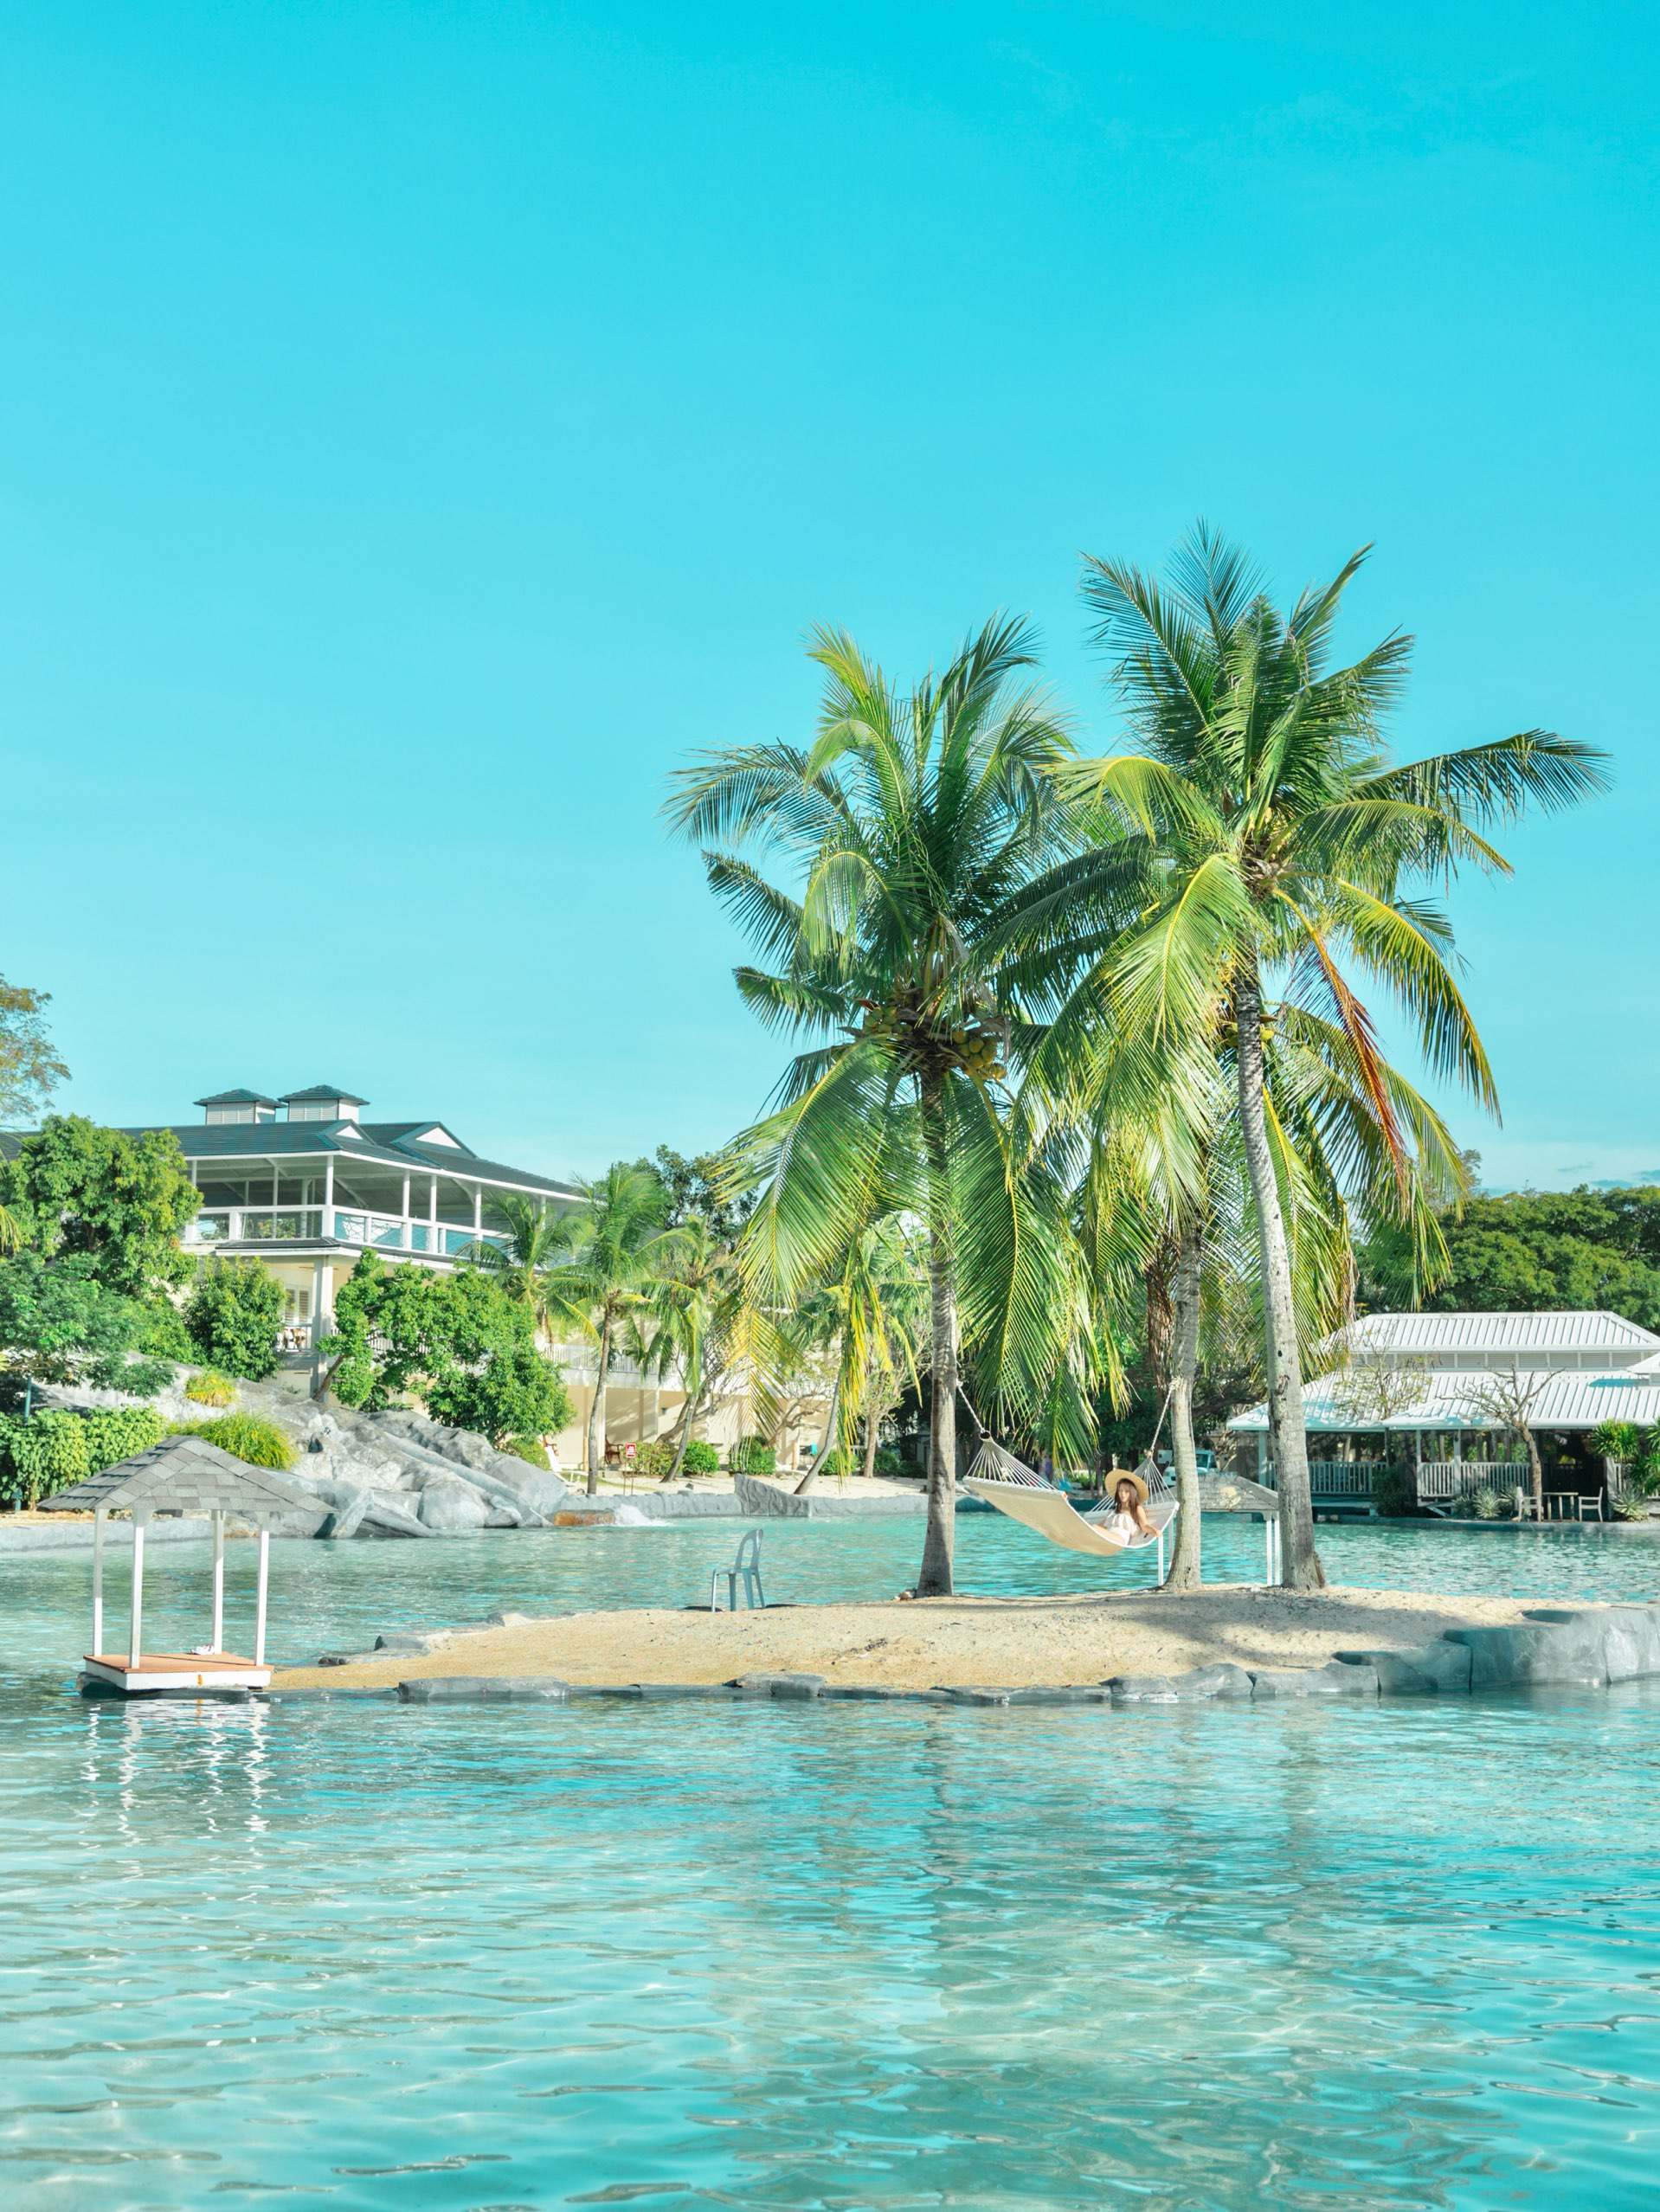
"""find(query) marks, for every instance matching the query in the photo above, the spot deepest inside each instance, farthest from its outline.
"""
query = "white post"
(134, 1640)
(218, 1582)
(98, 1584)
(1267, 1548)
(1161, 1555)
(478, 1208)
(407, 1238)
(432, 1217)
(258, 1603)
(328, 1194)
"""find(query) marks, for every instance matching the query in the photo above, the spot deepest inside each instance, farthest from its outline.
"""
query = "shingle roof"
(183, 1475)
(1505, 1335)
(236, 1098)
(318, 1090)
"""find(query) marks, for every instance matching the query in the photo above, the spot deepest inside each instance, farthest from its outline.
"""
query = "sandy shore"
(920, 1645)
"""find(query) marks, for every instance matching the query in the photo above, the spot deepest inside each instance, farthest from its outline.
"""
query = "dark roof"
(387, 1144)
(318, 1090)
(184, 1474)
(236, 1098)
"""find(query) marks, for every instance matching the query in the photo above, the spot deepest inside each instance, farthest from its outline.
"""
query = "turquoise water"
(350, 1954)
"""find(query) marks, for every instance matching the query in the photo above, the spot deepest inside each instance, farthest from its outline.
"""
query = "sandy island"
(1005, 1642)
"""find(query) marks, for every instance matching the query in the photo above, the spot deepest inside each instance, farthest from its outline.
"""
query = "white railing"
(300, 1225)
(1452, 1478)
(1342, 1478)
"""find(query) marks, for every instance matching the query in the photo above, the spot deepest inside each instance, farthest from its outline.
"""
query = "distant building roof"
(1449, 1400)
(237, 1098)
(1506, 1336)
(319, 1092)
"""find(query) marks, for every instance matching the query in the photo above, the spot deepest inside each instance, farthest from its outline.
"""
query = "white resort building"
(303, 1185)
(1434, 1383)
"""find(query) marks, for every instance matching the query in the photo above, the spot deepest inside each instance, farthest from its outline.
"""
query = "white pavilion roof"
(1503, 1337)
(1571, 1400)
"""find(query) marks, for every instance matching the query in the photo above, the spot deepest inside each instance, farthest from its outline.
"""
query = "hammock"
(1014, 1488)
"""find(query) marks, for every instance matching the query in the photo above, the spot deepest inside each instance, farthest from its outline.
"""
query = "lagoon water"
(350, 1954)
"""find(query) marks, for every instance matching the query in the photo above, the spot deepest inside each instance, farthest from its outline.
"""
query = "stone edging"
(1588, 1645)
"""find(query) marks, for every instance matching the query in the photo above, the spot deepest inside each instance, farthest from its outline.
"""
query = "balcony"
(313, 1225)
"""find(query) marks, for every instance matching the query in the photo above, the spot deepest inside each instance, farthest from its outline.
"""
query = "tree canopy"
(1530, 1251)
(77, 1191)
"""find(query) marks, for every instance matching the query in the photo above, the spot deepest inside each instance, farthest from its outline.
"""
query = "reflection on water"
(367, 1956)
(363, 1955)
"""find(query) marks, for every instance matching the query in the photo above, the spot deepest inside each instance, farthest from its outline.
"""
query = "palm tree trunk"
(1185, 1573)
(1536, 1468)
(1288, 1436)
(935, 1579)
(597, 1411)
(829, 1430)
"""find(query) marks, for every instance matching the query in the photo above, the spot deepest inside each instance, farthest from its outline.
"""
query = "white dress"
(1125, 1526)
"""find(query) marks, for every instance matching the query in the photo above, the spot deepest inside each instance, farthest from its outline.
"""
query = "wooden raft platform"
(159, 1670)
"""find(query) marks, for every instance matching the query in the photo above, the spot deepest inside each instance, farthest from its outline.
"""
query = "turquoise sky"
(423, 424)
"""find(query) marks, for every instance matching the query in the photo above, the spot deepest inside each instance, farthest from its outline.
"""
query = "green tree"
(31, 1069)
(539, 1237)
(697, 1318)
(1530, 1251)
(233, 1316)
(58, 1323)
(1260, 834)
(610, 1277)
(910, 827)
(117, 1201)
(466, 1342)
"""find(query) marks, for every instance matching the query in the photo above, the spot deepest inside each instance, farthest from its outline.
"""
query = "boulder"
(1630, 1635)
(1534, 1651)
(452, 1507)
(1135, 1689)
(484, 1689)
(383, 1516)
(344, 1519)
(1420, 1671)
(760, 1685)
(1332, 1679)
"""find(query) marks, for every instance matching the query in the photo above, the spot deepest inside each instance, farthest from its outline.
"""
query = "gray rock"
(501, 1516)
(761, 1685)
(383, 1516)
(1135, 1689)
(452, 1507)
(1420, 1671)
(975, 1694)
(345, 1520)
(650, 1690)
(1063, 1693)
(1533, 1652)
(1332, 1679)
(484, 1689)
(406, 1643)
(1630, 1635)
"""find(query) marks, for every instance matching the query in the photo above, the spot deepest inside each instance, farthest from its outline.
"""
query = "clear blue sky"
(423, 424)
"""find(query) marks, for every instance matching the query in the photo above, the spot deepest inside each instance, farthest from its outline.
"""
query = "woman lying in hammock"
(1127, 1520)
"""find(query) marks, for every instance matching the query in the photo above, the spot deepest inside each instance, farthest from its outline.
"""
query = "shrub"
(832, 1463)
(888, 1461)
(1394, 1491)
(1629, 1505)
(701, 1458)
(47, 1454)
(245, 1436)
(117, 1433)
(210, 1388)
(655, 1458)
(163, 1336)
(526, 1448)
(233, 1316)
(752, 1456)
(1488, 1505)
(1614, 1440)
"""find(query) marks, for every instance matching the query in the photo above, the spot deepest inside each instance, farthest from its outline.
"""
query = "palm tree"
(608, 1277)
(700, 1319)
(1260, 834)
(539, 1238)
(911, 824)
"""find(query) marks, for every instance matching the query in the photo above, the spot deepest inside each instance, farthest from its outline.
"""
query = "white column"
(218, 1643)
(134, 1640)
(259, 1602)
(97, 1583)
(478, 1207)
(432, 1215)
(406, 1209)
(328, 1194)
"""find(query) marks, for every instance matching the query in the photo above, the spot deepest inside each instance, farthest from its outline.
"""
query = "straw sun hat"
(1129, 1475)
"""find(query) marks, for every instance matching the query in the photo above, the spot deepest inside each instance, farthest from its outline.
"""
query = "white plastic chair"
(746, 1569)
